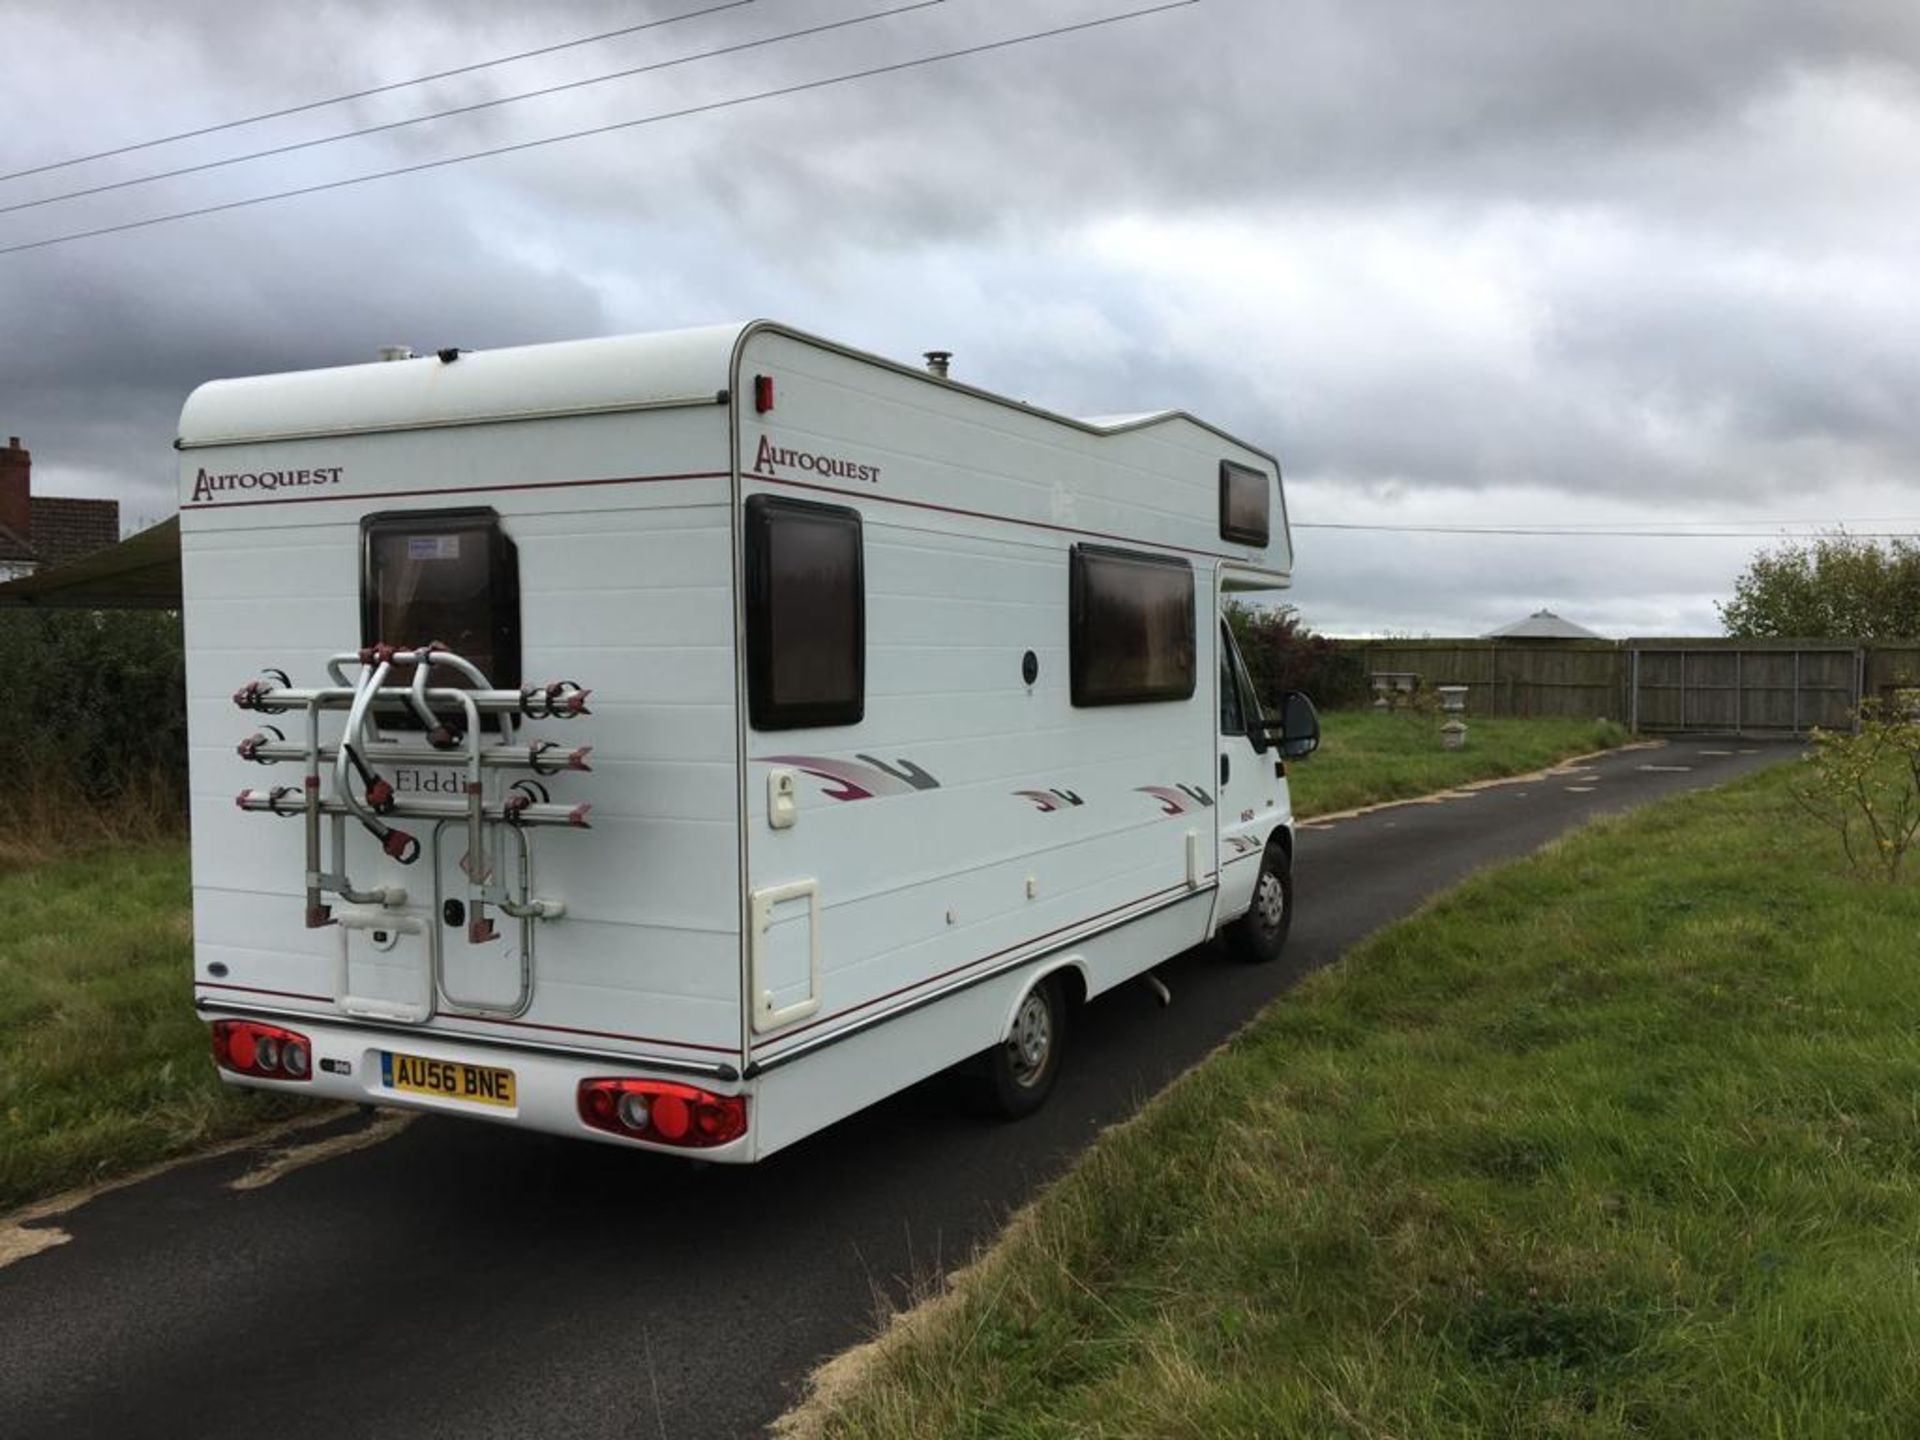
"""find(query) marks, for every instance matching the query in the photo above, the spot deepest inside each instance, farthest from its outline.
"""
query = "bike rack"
(455, 719)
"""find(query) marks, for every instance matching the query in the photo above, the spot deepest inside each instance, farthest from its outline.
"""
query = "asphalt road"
(463, 1280)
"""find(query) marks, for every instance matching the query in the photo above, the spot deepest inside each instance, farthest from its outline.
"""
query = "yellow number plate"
(451, 1079)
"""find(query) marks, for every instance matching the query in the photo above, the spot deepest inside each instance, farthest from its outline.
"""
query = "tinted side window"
(450, 576)
(1250, 711)
(1232, 722)
(806, 614)
(1131, 619)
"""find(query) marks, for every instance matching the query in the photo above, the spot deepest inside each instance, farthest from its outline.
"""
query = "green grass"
(103, 1062)
(1368, 756)
(1620, 1140)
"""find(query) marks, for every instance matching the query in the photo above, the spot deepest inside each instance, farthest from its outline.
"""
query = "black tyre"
(1261, 934)
(1020, 1071)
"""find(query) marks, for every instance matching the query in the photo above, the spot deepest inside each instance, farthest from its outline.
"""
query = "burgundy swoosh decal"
(1172, 801)
(860, 779)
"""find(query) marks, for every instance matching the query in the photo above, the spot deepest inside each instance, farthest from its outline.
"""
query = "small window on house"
(450, 576)
(806, 614)
(1245, 495)
(1131, 618)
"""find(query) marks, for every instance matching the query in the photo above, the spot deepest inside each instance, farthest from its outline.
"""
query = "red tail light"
(663, 1112)
(249, 1048)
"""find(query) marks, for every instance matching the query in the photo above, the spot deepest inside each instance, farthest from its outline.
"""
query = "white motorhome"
(686, 740)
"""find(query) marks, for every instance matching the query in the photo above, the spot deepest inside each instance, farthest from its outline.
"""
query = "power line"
(1571, 533)
(375, 90)
(1576, 526)
(625, 74)
(707, 108)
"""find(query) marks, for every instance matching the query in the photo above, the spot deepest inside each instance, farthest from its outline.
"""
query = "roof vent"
(937, 362)
(396, 352)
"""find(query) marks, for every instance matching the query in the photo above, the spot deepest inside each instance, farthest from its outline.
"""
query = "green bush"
(1282, 655)
(93, 715)
(1866, 788)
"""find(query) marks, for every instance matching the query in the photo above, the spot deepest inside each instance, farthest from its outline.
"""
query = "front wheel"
(1261, 934)
(1021, 1069)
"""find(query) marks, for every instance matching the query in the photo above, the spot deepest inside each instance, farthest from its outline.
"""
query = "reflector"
(240, 1047)
(670, 1117)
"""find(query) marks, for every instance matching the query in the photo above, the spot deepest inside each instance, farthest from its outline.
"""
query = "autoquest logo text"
(770, 456)
(206, 486)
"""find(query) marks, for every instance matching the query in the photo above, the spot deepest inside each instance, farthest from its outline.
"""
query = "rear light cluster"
(250, 1048)
(663, 1112)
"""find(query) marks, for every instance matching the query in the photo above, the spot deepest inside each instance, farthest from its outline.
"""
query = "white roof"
(571, 377)
(1127, 422)
(1543, 625)
(620, 372)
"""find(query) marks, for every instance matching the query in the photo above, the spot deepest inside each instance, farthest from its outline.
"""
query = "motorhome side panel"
(623, 530)
(972, 819)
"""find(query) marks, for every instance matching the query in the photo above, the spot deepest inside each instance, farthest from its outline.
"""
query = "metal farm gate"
(1751, 688)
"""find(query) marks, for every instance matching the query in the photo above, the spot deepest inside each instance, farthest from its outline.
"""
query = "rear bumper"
(347, 1065)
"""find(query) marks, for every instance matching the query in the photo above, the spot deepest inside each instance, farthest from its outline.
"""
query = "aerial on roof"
(1543, 625)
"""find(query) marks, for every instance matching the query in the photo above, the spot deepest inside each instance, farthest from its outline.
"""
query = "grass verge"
(1370, 756)
(103, 1062)
(1617, 1140)
(49, 819)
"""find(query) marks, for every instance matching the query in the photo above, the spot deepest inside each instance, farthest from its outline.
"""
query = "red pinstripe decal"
(597, 1034)
(784, 1036)
(256, 990)
(462, 490)
(989, 515)
(487, 1019)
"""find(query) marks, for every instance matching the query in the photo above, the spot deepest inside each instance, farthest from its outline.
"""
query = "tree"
(1839, 585)
(1282, 655)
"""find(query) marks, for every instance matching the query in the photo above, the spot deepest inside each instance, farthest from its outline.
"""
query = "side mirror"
(1299, 727)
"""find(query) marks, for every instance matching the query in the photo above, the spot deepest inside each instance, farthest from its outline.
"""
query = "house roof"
(1543, 625)
(64, 528)
(12, 547)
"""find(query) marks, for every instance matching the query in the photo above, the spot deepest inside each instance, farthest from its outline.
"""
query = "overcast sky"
(1493, 262)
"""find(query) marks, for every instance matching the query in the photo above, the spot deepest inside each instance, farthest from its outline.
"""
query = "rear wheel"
(1021, 1069)
(1261, 934)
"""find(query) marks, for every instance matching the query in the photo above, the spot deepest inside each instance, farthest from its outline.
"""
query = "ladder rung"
(543, 758)
(286, 800)
(560, 701)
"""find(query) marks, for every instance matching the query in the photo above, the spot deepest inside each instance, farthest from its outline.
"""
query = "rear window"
(450, 576)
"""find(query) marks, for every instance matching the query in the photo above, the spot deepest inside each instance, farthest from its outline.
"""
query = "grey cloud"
(114, 348)
(1702, 304)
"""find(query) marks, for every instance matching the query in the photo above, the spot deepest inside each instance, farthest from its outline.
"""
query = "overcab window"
(450, 576)
(1131, 619)
(806, 614)
(1246, 495)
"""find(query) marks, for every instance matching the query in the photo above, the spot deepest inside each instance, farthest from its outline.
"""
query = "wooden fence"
(1584, 679)
(1655, 684)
